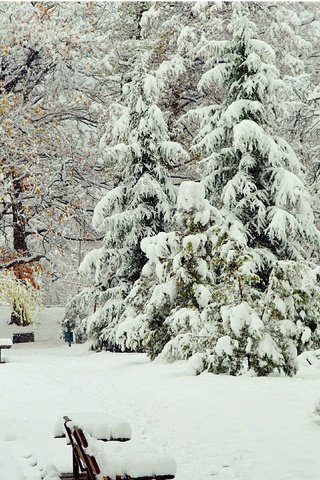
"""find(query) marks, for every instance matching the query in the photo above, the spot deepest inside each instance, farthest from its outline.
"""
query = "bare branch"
(21, 261)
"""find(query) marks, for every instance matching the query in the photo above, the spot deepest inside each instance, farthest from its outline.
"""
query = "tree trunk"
(19, 240)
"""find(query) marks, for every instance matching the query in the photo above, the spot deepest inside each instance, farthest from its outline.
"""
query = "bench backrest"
(82, 462)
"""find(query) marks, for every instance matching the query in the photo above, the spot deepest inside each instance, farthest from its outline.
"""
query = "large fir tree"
(139, 205)
(253, 175)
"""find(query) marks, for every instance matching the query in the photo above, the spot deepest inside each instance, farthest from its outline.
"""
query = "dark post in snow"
(68, 334)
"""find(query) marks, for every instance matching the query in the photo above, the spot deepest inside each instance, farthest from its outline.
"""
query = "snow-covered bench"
(131, 460)
(98, 424)
(5, 343)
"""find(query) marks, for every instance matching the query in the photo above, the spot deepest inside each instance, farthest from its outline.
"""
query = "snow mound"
(309, 358)
(132, 459)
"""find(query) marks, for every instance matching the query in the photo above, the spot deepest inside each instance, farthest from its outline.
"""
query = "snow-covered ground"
(216, 427)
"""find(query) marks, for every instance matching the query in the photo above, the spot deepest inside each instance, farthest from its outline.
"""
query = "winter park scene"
(159, 240)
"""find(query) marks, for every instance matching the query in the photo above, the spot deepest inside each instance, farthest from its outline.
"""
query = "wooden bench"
(4, 344)
(115, 460)
(100, 425)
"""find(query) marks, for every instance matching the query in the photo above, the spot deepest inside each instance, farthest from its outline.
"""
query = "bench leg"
(75, 467)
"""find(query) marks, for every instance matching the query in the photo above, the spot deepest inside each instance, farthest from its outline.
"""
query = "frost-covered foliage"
(21, 296)
(60, 86)
(50, 104)
(294, 35)
(178, 269)
(139, 205)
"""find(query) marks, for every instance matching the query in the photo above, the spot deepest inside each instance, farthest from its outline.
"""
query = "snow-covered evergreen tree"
(262, 331)
(139, 205)
(254, 176)
(180, 280)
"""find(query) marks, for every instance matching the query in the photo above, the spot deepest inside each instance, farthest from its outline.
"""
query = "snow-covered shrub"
(23, 298)
(246, 343)
(244, 340)
(179, 268)
(260, 329)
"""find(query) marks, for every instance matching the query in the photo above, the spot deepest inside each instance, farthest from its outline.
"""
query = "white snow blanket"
(27, 461)
(51, 457)
(98, 424)
(12, 463)
(216, 427)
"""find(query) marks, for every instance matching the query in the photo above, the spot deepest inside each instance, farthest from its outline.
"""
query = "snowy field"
(216, 427)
